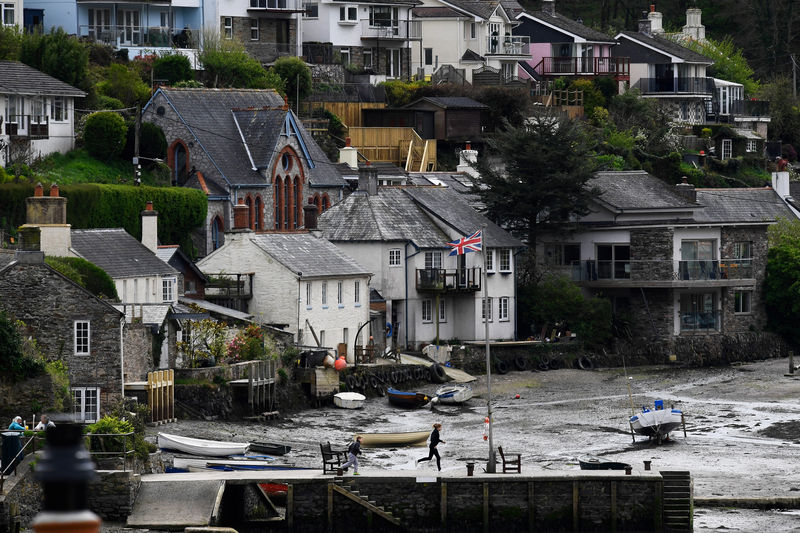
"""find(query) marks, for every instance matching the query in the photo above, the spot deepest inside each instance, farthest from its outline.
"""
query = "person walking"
(353, 451)
(432, 451)
(16, 424)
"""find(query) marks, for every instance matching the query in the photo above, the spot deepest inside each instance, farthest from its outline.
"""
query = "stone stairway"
(349, 490)
(678, 501)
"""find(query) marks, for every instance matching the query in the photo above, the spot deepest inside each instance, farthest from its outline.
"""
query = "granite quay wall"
(20, 499)
(112, 494)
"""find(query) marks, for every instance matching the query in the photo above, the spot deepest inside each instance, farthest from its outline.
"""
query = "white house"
(298, 281)
(468, 36)
(37, 113)
(401, 235)
(375, 35)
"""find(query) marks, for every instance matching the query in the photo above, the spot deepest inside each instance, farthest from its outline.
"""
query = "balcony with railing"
(662, 273)
(27, 126)
(397, 30)
(671, 85)
(700, 321)
(737, 109)
(134, 35)
(508, 45)
(277, 6)
(619, 67)
(449, 280)
(230, 290)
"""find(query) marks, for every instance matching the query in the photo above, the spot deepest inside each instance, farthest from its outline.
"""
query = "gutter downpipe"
(405, 267)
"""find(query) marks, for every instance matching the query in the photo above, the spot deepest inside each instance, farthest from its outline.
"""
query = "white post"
(491, 467)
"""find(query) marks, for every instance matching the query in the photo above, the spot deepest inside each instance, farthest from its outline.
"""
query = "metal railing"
(394, 29)
(737, 108)
(513, 45)
(229, 285)
(662, 270)
(676, 85)
(274, 5)
(700, 321)
(448, 280)
(30, 126)
(126, 441)
(136, 35)
(591, 66)
(11, 466)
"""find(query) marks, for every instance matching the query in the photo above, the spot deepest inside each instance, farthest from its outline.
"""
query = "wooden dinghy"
(409, 438)
(409, 400)
(213, 448)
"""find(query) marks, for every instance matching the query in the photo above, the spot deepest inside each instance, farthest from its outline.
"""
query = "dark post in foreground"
(64, 473)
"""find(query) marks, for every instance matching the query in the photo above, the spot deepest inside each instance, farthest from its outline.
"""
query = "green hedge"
(92, 205)
(86, 274)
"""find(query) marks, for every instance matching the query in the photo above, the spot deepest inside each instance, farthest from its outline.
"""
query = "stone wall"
(651, 253)
(35, 395)
(266, 48)
(138, 356)
(323, 73)
(756, 319)
(113, 493)
(21, 499)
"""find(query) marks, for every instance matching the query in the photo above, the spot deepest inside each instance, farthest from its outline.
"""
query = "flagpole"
(491, 466)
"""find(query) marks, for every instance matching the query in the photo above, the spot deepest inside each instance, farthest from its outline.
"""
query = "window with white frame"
(227, 27)
(743, 252)
(442, 311)
(367, 57)
(164, 19)
(311, 10)
(86, 403)
(484, 304)
(433, 260)
(345, 335)
(39, 110)
(324, 293)
(742, 301)
(339, 292)
(502, 309)
(505, 260)
(58, 109)
(308, 294)
(427, 310)
(14, 106)
(168, 289)
(82, 337)
(322, 338)
(727, 148)
(751, 145)
(348, 14)
(345, 55)
(254, 29)
(394, 257)
(357, 292)
(489, 260)
(470, 30)
(8, 14)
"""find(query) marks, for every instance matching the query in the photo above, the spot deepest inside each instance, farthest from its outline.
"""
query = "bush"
(123, 82)
(14, 363)
(189, 84)
(152, 142)
(88, 275)
(108, 102)
(104, 135)
(296, 74)
(110, 425)
(173, 68)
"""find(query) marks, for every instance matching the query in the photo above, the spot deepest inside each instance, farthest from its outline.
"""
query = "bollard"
(470, 468)
(791, 361)
(628, 470)
(647, 465)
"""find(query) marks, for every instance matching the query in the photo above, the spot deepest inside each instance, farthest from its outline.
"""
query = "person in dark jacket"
(432, 451)
(353, 452)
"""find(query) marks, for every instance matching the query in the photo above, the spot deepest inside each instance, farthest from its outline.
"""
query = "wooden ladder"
(348, 490)
(678, 503)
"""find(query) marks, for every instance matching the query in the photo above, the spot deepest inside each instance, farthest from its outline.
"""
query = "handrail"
(125, 451)
(17, 458)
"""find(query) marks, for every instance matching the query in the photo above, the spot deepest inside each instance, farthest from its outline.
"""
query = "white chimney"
(150, 227)
(466, 158)
(348, 155)
(656, 21)
(780, 183)
(694, 29)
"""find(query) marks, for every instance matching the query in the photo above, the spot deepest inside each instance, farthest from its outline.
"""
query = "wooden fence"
(348, 112)
(382, 144)
(161, 395)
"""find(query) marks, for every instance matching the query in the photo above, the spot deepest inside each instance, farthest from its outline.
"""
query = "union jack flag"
(464, 245)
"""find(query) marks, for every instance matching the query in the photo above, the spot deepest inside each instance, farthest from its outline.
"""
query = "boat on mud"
(349, 400)
(453, 394)
(270, 448)
(408, 438)
(657, 423)
(591, 462)
(214, 448)
(409, 400)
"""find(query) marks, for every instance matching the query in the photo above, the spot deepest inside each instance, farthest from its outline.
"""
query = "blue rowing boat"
(409, 400)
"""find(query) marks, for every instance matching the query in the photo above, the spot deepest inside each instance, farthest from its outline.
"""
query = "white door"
(130, 28)
(394, 63)
(86, 403)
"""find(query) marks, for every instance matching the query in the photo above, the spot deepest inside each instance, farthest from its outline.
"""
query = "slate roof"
(16, 77)
(435, 12)
(636, 189)
(483, 9)
(668, 47)
(450, 102)
(471, 55)
(399, 214)
(118, 253)
(740, 206)
(571, 26)
(215, 309)
(303, 252)
(384, 2)
(173, 256)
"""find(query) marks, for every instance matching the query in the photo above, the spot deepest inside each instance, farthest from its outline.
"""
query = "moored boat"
(656, 423)
(214, 448)
(407, 399)
(453, 394)
(591, 462)
(349, 400)
(408, 438)
(270, 448)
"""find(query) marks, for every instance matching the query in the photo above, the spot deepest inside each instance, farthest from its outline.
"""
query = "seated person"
(44, 423)
(16, 424)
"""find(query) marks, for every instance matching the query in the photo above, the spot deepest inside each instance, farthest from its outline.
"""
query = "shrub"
(296, 74)
(110, 425)
(123, 82)
(104, 134)
(189, 84)
(152, 142)
(173, 68)
(108, 102)
(251, 344)
(86, 274)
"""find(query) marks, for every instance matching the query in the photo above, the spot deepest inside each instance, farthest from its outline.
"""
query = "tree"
(542, 184)
(729, 62)
(123, 82)
(783, 110)
(104, 135)
(782, 279)
(10, 43)
(296, 74)
(204, 342)
(58, 54)
(227, 64)
(173, 68)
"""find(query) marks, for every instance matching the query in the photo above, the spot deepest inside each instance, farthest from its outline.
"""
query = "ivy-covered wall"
(94, 205)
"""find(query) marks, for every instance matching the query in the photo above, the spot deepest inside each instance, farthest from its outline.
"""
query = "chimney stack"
(368, 179)
(48, 214)
(150, 227)
(241, 215)
(348, 155)
(644, 25)
(687, 190)
(466, 158)
(656, 21)
(694, 28)
(549, 7)
(310, 215)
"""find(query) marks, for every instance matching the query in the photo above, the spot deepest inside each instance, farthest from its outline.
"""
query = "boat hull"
(270, 448)
(657, 423)
(410, 438)
(590, 462)
(349, 400)
(408, 400)
(453, 394)
(194, 446)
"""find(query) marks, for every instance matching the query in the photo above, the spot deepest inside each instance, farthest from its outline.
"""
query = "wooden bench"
(511, 464)
(331, 459)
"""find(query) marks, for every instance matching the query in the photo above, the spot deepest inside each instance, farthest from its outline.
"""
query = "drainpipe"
(405, 269)
(299, 302)
(516, 294)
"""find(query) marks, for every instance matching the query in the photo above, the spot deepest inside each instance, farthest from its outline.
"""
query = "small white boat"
(658, 422)
(455, 393)
(349, 400)
(213, 448)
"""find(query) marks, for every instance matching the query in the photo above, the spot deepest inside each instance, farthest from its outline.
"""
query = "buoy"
(516, 397)
(340, 364)
(486, 428)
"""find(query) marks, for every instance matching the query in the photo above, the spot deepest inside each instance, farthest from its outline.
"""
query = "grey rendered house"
(248, 144)
(677, 261)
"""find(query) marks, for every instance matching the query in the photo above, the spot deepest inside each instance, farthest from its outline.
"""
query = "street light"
(137, 167)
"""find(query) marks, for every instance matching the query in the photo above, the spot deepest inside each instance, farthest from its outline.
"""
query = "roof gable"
(573, 29)
(678, 53)
(19, 78)
(118, 253)
(308, 256)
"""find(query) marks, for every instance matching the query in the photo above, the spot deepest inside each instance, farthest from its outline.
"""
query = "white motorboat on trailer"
(658, 422)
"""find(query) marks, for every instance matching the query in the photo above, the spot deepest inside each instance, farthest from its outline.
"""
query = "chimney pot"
(549, 7)
(149, 206)
(54, 190)
(347, 141)
(652, 8)
(310, 216)
(469, 146)
(38, 190)
(241, 215)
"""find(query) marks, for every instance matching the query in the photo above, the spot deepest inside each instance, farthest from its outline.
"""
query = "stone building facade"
(264, 37)
(69, 324)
